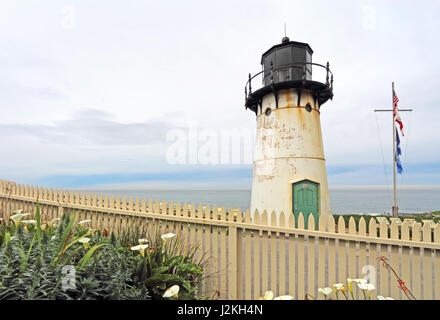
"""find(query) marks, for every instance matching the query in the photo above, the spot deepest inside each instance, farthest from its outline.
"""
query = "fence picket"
(215, 248)
(257, 255)
(265, 255)
(301, 259)
(282, 261)
(332, 270)
(416, 280)
(248, 265)
(353, 271)
(311, 258)
(273, 255)
(427, 264)
(292, 269)
(342, 254)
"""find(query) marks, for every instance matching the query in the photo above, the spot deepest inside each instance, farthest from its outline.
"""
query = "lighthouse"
(289, 172)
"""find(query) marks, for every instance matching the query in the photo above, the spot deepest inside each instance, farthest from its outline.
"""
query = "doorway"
(305, 199)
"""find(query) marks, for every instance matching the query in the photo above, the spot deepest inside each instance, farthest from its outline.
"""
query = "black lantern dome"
(288, 65)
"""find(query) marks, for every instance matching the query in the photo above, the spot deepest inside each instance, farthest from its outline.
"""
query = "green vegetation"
(37, 259)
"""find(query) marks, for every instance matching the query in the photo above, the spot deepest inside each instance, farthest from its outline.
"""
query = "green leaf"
(187, 285)
(7, 238)
(25, 258)
(189, 268)
(64, 238)
(160, 278)
(89, 254)
(159, 270)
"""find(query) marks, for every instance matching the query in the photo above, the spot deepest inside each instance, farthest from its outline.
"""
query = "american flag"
(396, 112)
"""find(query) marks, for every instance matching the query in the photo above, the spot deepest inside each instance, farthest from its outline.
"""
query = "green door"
(305, 199)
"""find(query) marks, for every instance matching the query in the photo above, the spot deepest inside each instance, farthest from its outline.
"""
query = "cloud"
(91, 127)
(98, 98)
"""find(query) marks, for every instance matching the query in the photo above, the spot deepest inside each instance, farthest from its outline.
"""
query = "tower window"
(268, 112)
(308, 107)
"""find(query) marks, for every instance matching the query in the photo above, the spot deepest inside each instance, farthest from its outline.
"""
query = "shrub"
(35, 260)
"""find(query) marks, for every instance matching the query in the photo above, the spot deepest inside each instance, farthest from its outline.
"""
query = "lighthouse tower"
(289, 171)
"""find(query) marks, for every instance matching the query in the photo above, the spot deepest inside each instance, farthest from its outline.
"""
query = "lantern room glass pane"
(283, 56)
(309, 66)
(267, 60)
(299, 54)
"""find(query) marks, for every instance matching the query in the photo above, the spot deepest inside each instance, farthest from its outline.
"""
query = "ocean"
(342, 200)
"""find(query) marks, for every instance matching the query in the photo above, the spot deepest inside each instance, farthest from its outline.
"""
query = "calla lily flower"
(366, 286)
(85, 241)
(339, 286)
(286, 297)
(268, 295)
(172, 292)
(360, 281)
(29, 221)
(83, 222)
(325, 291)
(18, 217)
(168, 236)
(141, 248)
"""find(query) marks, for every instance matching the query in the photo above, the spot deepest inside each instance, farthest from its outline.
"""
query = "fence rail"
(254, 253)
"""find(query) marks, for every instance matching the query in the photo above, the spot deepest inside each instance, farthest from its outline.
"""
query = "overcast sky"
(89, 90)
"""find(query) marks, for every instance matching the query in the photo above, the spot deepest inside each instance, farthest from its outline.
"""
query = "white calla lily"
(360, 281)
(29, 221)
(16, 218)
(168, 236)
(268, 295)
(325, 291)
(141, 248)
(339, 286)
(85, 241)
(172, 292)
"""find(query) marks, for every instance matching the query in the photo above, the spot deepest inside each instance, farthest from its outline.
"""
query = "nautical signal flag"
(398, 154)
(396, 112)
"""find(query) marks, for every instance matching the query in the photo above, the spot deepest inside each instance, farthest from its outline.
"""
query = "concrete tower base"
(289, 164)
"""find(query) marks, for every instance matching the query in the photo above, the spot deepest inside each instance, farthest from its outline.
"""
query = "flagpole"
(394, 210)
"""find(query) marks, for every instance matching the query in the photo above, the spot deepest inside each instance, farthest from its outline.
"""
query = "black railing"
(303, 77)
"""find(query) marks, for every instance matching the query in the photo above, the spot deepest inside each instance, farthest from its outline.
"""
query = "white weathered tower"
(289, 163)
